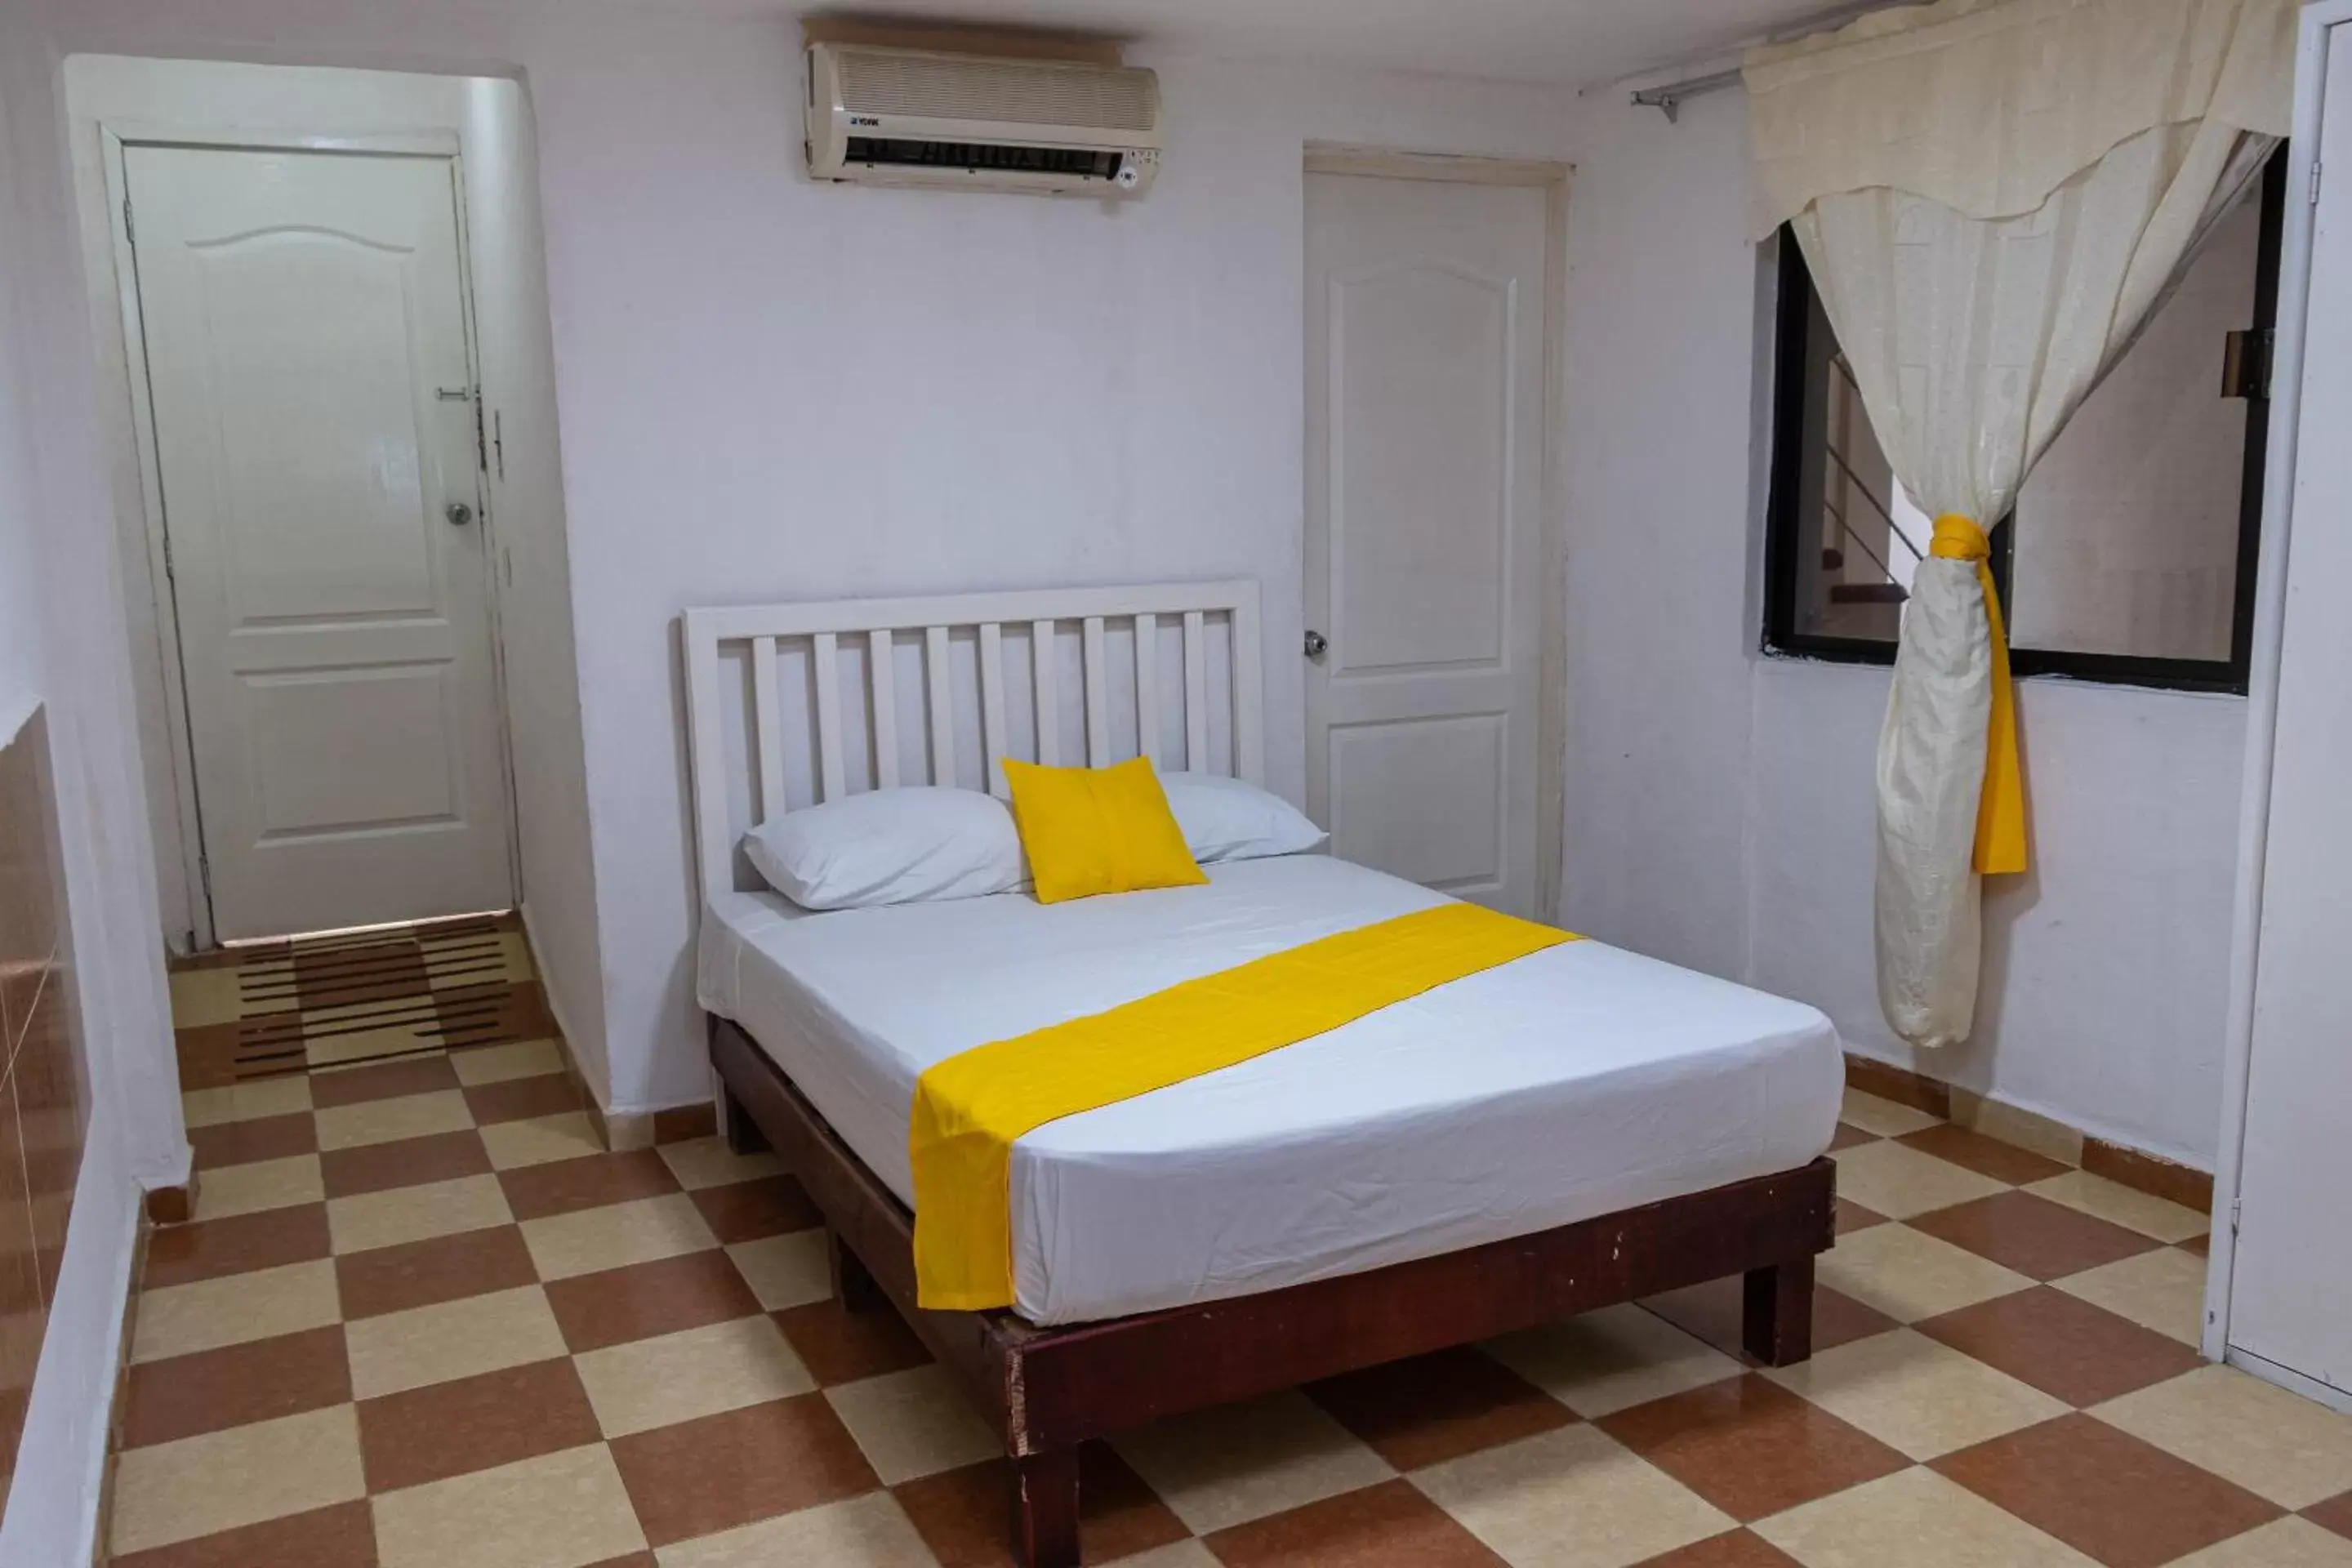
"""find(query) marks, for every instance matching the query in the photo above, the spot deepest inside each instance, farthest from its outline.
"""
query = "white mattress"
(1570, 1083)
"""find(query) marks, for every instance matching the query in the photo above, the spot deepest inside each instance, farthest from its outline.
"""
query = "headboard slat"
(757, 752)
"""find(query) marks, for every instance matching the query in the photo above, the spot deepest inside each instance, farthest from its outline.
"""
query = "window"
(2130, 555)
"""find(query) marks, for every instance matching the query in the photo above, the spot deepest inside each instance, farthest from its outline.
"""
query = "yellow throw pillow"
(1097, 831)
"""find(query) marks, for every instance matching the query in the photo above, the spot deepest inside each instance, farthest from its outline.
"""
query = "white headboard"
(789, 704)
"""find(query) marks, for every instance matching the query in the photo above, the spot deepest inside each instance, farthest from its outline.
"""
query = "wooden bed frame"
(1047, 1390)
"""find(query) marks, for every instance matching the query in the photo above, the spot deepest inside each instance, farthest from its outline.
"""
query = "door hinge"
(205, 875)
(2237, 1208)
(2246, 363)
(129, 228)
(171, 573)
(2315, 182)
(498, 441)
(481, 438)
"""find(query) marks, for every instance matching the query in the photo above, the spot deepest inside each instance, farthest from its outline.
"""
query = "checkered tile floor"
(421, 1321)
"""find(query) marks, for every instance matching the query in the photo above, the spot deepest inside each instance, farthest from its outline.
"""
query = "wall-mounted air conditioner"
(918, 117)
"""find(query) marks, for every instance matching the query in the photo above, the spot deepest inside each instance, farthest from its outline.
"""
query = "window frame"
(1791, 327)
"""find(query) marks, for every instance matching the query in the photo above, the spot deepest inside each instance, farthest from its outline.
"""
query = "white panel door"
(2290, 1284)
(1424, 453)
(303, 319)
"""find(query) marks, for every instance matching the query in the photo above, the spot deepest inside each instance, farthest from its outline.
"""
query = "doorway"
(1430, 564)
(299, 318)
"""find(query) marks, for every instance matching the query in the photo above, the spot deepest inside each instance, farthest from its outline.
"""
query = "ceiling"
(1575, 43)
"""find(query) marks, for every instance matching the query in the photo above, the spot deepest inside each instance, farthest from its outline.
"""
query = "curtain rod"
(1669, 97)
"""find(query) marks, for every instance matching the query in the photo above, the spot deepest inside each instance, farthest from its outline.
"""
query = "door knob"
(459, 514)
(1317, 645)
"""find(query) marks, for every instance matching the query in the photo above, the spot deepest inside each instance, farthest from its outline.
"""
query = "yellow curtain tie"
(2000, 806)
(970, 1108)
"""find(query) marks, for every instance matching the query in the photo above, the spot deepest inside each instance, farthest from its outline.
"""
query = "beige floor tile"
(1916, 1396)
(202, 997)
(364, 1221)
(560, 1510)
(197, 1486)
(1240, 1462)
(1884, 1117)
(1610, 1359)
(2274, 1444)
(497, 1064)
(646, 1383)
(787, 1270)
(2281, 1543)
(1569, 1499)
(614, 1236)
(181, 1319)
(451, 1340)
(2163, 1290)
(564, 1136)
(226, 1190)
(869, 1531)
(281, 1096)
(2123, 1205)
(1918, 1520)
(707, 1162)
(335, 1049)
(382, 1120)
(1898, 1181)
(1175, 1554)
(912, 1423)
(1910, 1275)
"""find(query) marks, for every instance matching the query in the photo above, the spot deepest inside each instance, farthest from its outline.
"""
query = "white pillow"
(1226, 819)
(890, 846)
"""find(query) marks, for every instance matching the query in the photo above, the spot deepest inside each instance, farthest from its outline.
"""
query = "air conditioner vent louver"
(909, 116)
(940, 87)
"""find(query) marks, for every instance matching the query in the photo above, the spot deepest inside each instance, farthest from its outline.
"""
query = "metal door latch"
(459, 514)
(1317, 645)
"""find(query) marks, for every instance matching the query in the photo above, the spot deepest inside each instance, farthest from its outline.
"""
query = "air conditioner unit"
(918, 117)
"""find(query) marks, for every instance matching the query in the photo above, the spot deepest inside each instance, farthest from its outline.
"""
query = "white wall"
(492, 122)
(1719, 803)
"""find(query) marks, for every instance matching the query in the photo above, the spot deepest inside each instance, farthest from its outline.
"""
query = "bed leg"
(853, 1285)
(1777, 1312)
(735, 1123)
(1046, 1508)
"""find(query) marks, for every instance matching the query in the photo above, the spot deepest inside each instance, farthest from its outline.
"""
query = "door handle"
(459, 513)
(1317, 645)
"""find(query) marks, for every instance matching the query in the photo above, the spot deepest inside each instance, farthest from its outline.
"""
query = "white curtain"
(1993, 196)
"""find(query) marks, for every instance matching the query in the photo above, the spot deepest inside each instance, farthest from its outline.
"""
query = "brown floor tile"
(840, 1346)
(2105, 1493)
(207, 1056)
(2334, 1514)
(444, 1268)
(342, 1536)
(618, 1305)
(384, 1080)
(562, 1186)
(483, 1015)
(474, 1424)
(960, 1514)
(1387, 1526)
(1852, 1215)
(2062, 1345)
(180, 1397)
(521, 1098)
(633, 1560)
(746, 1211)
(1847, 1135)
(404, 1162)
(1985, 1156)
(209, 1248)
(1435, 1407)
(2039, 1239)
(373, 972)
(1739, 1549)
(242, 1143)
(1750, 1446)
(683, 1124)
(1711, 1311)
(704, 1476)
(2202, 1246)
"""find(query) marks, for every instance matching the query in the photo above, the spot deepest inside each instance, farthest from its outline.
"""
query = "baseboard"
(101, 1545)
(2120, 1162)
(621, 1131)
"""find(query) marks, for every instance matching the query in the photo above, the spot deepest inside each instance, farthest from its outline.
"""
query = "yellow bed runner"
(970, 1108)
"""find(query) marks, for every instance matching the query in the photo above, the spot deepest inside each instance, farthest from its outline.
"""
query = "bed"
(1597, 1126)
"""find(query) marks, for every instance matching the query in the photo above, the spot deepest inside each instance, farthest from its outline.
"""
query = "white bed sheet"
(1570, 1083)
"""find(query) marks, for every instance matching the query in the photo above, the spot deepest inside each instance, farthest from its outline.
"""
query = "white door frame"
(1552, 631)
(118, 136)
(2262, 694)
